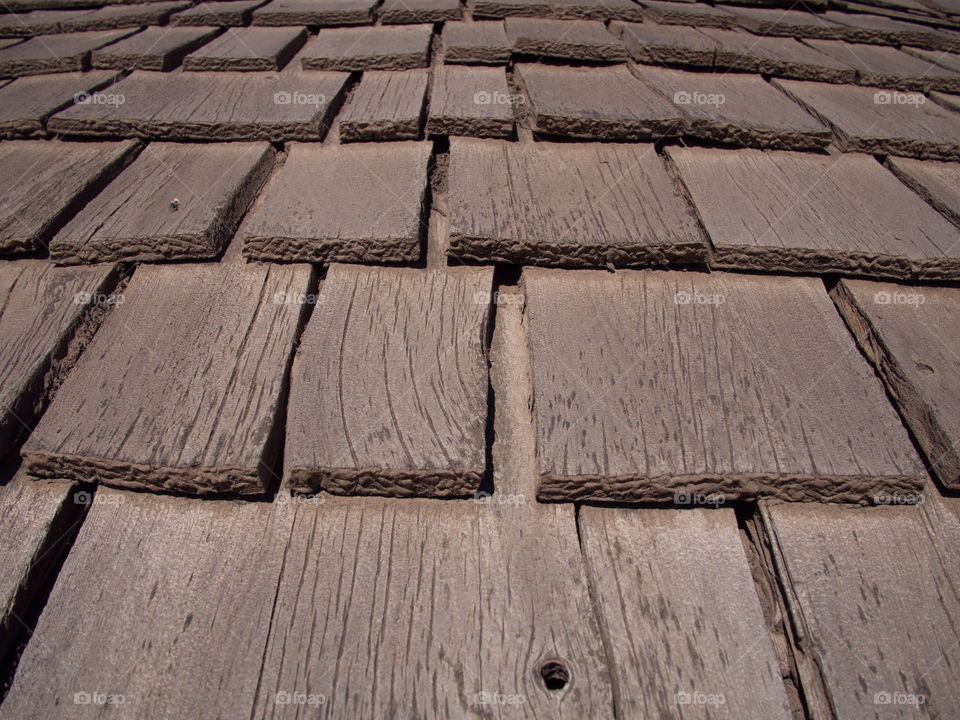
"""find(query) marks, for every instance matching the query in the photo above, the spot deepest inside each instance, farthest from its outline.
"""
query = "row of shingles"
(47, 22)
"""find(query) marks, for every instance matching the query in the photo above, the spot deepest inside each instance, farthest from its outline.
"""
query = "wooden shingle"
(391, 47)
(475, 43)
(473, 101)
(388, 105)
(247, 49)
(152, 49)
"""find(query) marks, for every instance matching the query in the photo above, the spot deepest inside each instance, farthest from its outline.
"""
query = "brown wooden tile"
(684, 13)
(230, 13)
(409, 12)
(55, 54)
(508, 8)
(315, 12)
(781, 57)
(388, 105)
(666, 44)
(160, 48)
(394, 47)
(476, 42)
(25, 104)
(888, 67)
(586, 40)
(245, 49)
(936, 182)
(596, 10)
(473, 101)
(786, 23)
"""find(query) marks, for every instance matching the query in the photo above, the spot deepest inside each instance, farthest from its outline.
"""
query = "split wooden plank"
(684, 13)
(787, 23)
(508, 8)
(571, 205)
(475, 43)
(738, 109)
(322, 13)
(167, 574)
(782, 57)
(152, 49)
(666, 45)
(43, 183)
(229, 13)
(799, 212)
(596, 10)
(57, 54)
(175, 202)
(252, 48)
(888, 67)
(42, 306)
(586, 40)
(851, 577)
(936, 182)
(311, 211)
(906, 331)
(393, 47)
(409, 12)
(202, 415)
(471, 101)
(597, 103)
(198, 106)
(26, 103)
(375, 408)
(881, 121)
(650, 386)
(680, 615)
(388, 105)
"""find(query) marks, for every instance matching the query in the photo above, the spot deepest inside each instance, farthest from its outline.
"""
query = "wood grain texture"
(907, 332)
(475, 43)
(951, 61)
(388, 105)
(586, 40)
(799, 212)
(567, 204)
(185, 592)
(654, 385)
(231, 13)
(875, 29)
(596, 10)
(57, 54)
(245, 49)
(174, 202)
(315, 12)
(510, 8)
(597, 103)
(26, 103)
(875, 121)
(680, 615)
(45, 22)
(873, 594)
(403, 12)
(656, 44)
(936, 182)
(696, 14)
(312, 211)
(473, 101)
(40, 307)
(781, 57)
(152, 49)
(787, 23)
(200, 106)
(386, 398)
(390, 47)
(43, 183)
(194, 407)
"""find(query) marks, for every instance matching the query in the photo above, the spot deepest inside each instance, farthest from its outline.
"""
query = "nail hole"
(924, 368)
(555, 676)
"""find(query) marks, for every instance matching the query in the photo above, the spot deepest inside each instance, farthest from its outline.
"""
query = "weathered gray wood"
(200, 106)
(315, 12)
(908, 333)
(799, 212)
(175, 202)
(25, 104)
(873, 594)
(685, 13)
(787, 23)
(508, 8)
(194, 406)
(567, 204)
(782, 57)
(471, 101)
(951, 61)
(394, 47)
(386, 399)
(252, 48)
(604, 103)
(388, 105)
(56, 54)
(881, 121)
(475, 42)
(43, 184)
(419, 11)
(150, 581)
(574, 39)
(888, 67)
(230, 13)
(951, 102)
(152, 49)
(680, 615)
(662, 44)
(41, 307)
(737, 109)
(596, 10)
(936, 182)
(661, 385)
(312, 211)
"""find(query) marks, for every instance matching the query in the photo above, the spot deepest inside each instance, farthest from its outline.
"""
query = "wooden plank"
(936, 182)
(475, 43)
(781, 57)
(680, 615)
(313, 210)
(128, 626)
(854, 577)
(597, 103)
(567, 204)
(798, 212)
(682, 13)
(596, 10)
(888, 67)
(44, 22)
(388, 105)
(57, 54)
(737, 109)
(374, 408)
(25, 104)
(671, 45)
(951, 102)
(42, 306)
(878, 30)
(787, 23)
(951, 61)
(508, 8)
(408, 12)
(651, 385)
(315, 12)
(252, 48)
(586, 40)
(43, 183)
(230, 13)
(471, 101)
(152, 49)
(394, 47)
(153, 212)
(881, 121)
(198, 106)
(906, 332)
(202, 415)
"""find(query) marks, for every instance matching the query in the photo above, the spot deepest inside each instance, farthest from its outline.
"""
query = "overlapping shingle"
(388, 105)
(27, 103)
(56, 54)
(247, 49)
(471, 101)
(782, 57)
(687, 13)
(315, 12)
(596, 10)
(475, 42)
(109, 17)
(586, 40)
(788, 23)
(936, 182)
(888, 67)
(229, 13)
(160, 48)
(871, 28)
(668, 45)
(393, 47)
(409, 12)
(511, 8)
